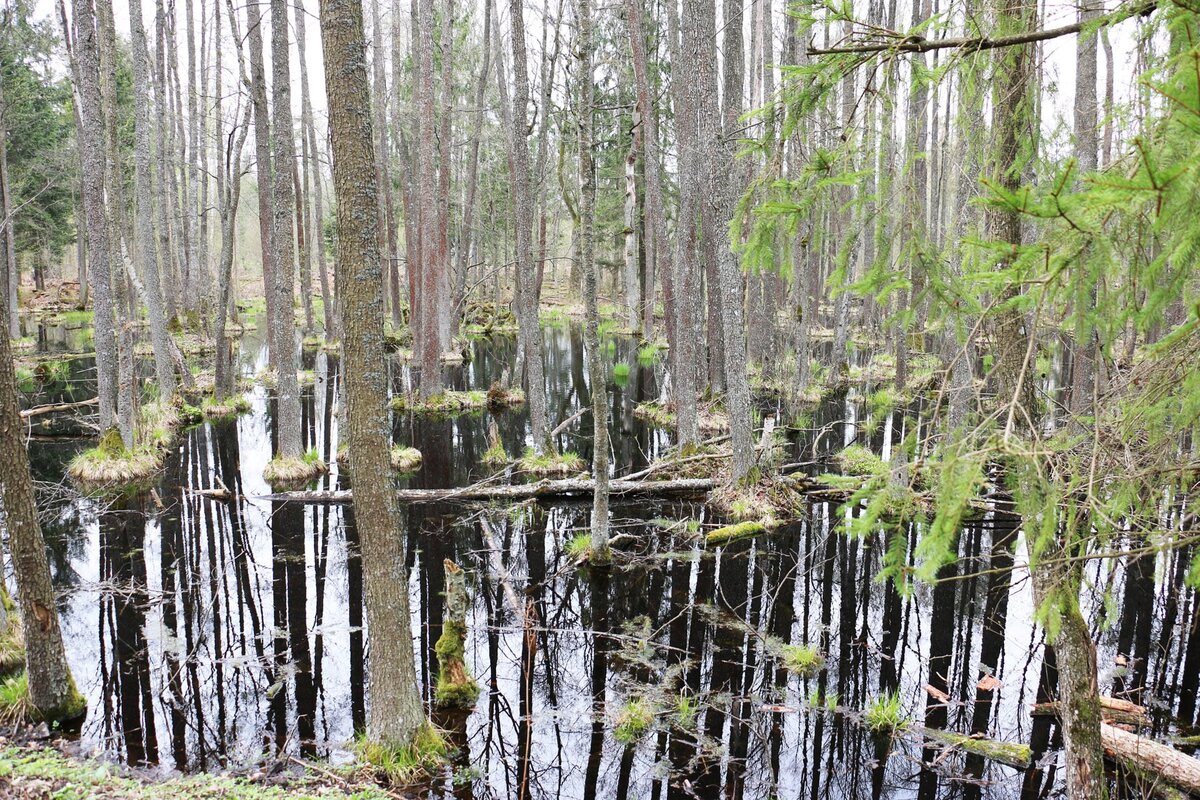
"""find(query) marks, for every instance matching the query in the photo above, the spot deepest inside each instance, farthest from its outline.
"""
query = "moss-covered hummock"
(455, 686)
(45, 772)
(567, 463)
(110, 464)
(449, 403)
(404, 765)
(634, 720)
(285, 471)
(269, 378)
(709, 419)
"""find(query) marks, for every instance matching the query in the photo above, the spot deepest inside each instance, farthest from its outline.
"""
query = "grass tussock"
(449, 403)
(269, 378)
(227, 408)
(12, 648)
(802, 659)
(285, 471)
(547, 464)
(634, 721)
(15, 705)
(885, 715)
(500, 397)
(767, 500)
(710, 418)
(404, 765)
(405, 459)
(110, 464)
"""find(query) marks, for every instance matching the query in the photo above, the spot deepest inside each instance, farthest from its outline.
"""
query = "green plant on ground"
(634, 721)
(286, 471)
(579, 546)
(567, 463)
(404, 765)
(801, 659)
(885, 715)
(449, 403)
(405, 459)
(111, 464)
(687, 709)
(213, 409)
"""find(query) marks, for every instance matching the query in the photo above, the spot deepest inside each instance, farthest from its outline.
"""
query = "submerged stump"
(455, 686)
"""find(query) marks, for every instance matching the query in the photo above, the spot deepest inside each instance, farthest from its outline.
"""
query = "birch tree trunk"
(396, 713)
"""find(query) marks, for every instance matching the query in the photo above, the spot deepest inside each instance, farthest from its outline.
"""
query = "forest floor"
(48, 770)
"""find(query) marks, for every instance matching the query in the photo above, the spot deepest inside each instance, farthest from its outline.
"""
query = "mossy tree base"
(405, 764)
(111, 465)
(455, 686)
(17, 707)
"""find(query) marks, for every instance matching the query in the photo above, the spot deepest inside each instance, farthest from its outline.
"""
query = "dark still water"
(210, 634)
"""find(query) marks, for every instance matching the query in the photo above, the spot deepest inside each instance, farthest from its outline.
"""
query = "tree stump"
(455, 687)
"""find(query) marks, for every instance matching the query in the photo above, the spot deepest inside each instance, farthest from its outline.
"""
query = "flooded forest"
(558, 399)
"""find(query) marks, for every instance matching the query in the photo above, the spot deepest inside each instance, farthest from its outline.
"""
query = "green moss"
(404, 764)
(26, 378)
(621, 373)
(568, 463)
(801, 659)
(1011, 753)
(634, 720)
(455, 687)
(46, 772)
(655, 413)
(858, 461)
(648, 353)
(110, 465)
(732, 533)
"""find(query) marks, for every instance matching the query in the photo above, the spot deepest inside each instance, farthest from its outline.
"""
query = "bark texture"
(396, 714)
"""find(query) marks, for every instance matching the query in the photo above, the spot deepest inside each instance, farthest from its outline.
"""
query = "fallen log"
(37, 411)
(573, 487)
(1152, 758)
(1112, 710)
(1013, 754)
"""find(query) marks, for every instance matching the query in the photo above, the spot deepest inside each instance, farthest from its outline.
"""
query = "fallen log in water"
(522, 491)
(1157, 761)
(56, 407)
(1112, 709)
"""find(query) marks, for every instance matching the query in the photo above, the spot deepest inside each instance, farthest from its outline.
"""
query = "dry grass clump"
(12, 647)
(710, 418)
(405, 459)
(499, 397)
(284, 471)
(769, 500)
(226, 408)
(109, 464)
(449, 403)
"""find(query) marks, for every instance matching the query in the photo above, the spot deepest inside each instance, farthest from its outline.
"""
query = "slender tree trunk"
(262, 165)
(597, 374)
(443, 312)
(312, 178)
(146, 246)
(284, 153)
(522, 193)
(426, 338)
(717, 209)
(173, 291)
(396, 713)
(466, 238)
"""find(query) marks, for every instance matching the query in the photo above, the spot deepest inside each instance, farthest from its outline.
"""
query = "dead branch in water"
(574, 487)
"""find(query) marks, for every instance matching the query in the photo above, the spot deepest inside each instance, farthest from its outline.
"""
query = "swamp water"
(212, 635)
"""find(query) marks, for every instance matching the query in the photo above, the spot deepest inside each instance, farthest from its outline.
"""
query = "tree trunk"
(92, 168)
(597, 374)
(396, 713)
(11, 276)
(284, 154)
(426, 339)
(526, 302)
(262, 165)
(466, 238)
(51, 688)
(146, 254)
